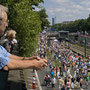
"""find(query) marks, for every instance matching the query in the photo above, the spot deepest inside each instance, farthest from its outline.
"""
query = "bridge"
(57, 34)
(52, 34)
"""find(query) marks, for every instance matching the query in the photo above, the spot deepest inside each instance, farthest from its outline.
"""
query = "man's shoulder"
(2, 48)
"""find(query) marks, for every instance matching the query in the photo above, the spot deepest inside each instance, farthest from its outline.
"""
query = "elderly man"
(9, 61)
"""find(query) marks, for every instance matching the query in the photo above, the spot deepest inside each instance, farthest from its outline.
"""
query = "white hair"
(2, 8)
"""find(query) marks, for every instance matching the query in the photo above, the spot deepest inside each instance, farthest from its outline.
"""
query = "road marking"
(39, 85)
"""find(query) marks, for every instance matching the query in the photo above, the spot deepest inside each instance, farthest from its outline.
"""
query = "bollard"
(34, 82)
(3, 79)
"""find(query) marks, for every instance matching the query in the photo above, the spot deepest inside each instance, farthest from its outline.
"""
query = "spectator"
(52, 73)
(78, 79)
(65, 81)
(61, 82)
(87, 80)
(45, 79)
(81, 82)
(68, 85)
(58, 74)
(53, 82)
(48, 80)
(63, 87)
(9, 41)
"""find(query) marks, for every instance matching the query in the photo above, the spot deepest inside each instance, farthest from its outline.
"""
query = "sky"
(67, 10)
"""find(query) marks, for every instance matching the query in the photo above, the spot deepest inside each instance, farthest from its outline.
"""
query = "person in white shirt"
(53, 82)
(58, 74)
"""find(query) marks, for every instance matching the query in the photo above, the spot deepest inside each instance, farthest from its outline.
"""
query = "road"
(41, 74)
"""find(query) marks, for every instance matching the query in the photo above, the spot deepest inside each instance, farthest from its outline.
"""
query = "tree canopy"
(43, 18)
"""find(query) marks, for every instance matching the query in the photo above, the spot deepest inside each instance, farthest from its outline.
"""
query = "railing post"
(85, 47)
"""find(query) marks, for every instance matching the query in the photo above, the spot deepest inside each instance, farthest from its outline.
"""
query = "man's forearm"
(15, 57)
(22, 58)
(25, 64)
(14, 64)
(29, 58)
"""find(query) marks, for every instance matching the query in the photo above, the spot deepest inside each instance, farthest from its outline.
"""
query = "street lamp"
(85, 47)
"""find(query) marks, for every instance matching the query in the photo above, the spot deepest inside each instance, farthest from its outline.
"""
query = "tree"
(43, 18)
(36, 2)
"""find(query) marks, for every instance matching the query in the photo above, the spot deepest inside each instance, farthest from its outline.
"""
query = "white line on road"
(39, 85)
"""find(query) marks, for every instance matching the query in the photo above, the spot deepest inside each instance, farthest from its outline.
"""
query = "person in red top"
(81, 82)
(45, 79)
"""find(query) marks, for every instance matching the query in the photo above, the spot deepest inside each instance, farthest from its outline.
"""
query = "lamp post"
(85, 47)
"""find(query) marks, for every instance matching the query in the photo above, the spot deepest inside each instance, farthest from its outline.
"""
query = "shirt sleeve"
(3, 61)
(5, 53)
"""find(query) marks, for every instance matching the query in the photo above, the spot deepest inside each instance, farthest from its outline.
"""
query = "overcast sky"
(67, 10)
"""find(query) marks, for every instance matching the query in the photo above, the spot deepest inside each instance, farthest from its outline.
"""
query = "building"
(53, 20)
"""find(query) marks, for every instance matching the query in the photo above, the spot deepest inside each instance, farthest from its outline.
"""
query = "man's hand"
(36, 57)
(40, 64)
(5, 68)
(44, 60)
